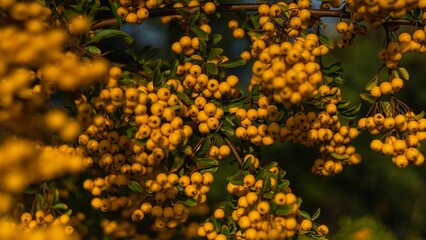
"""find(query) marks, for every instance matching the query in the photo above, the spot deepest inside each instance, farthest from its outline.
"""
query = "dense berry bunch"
(136, 12)
(288, 71)
(375, 12)
(402, 135)
(392, 54)
(262, 207)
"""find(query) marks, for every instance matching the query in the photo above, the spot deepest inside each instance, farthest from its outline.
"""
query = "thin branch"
(198, 145)
(74, 43)
(167, 11)
(234, 151)
(108, 22)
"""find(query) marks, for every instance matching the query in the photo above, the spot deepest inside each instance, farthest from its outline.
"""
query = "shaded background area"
(374, 199)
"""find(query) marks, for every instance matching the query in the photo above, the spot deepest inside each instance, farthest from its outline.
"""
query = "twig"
(234, 151)
(74, 43)
(167, 11)
(198, 145)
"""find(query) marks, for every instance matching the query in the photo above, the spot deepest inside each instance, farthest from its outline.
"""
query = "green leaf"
(327, 79)
(148, 53)
(110, 33)
(343, 105)
(372, 83)
(419, 116)
(216, 38)
(305, 215)
(283, 184)
(32, 190)
(333, 68)
(266, 182)
(203, 48)
(200, 33)
(395, 73)
(234, 176)
(279, 21)
(68, 212)
(285, 10)
(194, 18)
(404, 73)
(254, 20)
(339, 156)
(338, 80)
(183, 97)
(174, 68)
(159, 79)
(130, 132)
(386, 108)
(227, 128)
(212, 68)
(353, 110)
(135, 187)
(233, 63)
(255, 89)
(219, 140)
(60, 206)
(55, 196)
(214, 52)
(93, 50)
(114, 7)
(238, 182)
(147, 70)
(216, 225)
(268, 195)
(183, 12)
(98, 9)
(205, 147)
(258, 33)
(210, 170)
(283, 210)
(190, 202)
(197, 57)
(225, 231)
(246, 164)
(303, 237)
(328, 42)
(207, 162)
(367, 97)
(177, 163)
(270, 165)
(316, 214)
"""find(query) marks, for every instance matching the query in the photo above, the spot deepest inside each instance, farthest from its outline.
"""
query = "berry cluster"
(402, 134)
(64, 224)
(375, 12)
(220, 152)
(348, 32)
(297, 15)
(262, 134)
(12, 230)
(262, 207)
(288, 71)
(392, 54)
(166, 190)
(136, 11)
(25, 162)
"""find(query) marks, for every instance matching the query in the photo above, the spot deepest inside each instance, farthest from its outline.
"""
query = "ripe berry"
(263, 207)
(306, 224)
(376, 145)
(209, 8)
